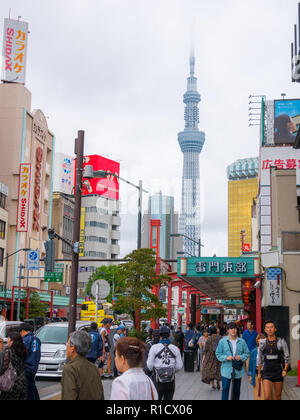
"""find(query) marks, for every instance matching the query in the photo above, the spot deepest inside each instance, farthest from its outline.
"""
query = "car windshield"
(49, 335)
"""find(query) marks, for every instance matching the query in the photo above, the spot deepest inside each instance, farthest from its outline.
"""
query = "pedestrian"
(1, 351)
(150, 336)
(97, 345)
(211, 370)
(81, 379)
(249, 335)
(164, 360)
(117, 336)
(189, 336)
(232, 352)
(252, 371)
(202, 342)
(33, 358)
(179, 339)
(15, 353)
(196, 339)
(133, 384)
(104, 332)
(273, 362)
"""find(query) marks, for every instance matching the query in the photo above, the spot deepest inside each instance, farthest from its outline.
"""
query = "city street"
(188, 387)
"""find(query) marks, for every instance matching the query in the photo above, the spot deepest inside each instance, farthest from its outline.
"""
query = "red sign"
(246, 248)
(37, 189)
(23, 197)
(106, 187)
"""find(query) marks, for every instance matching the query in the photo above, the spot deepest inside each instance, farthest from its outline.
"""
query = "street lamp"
(90, 173)
(178, 235)
(6, 270)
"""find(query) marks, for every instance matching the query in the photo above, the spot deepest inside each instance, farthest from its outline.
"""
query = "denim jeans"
(226, 387)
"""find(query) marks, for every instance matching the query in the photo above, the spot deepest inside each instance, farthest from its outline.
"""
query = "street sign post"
(181, 311)
(100, 290)
(33, 260)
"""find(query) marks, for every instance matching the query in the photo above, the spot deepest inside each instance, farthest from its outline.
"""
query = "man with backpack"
(164, 360)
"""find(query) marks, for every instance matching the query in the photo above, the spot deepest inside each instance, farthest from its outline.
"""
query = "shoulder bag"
(8, 379)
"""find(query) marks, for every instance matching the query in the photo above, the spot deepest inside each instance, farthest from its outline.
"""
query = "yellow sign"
(82, 233)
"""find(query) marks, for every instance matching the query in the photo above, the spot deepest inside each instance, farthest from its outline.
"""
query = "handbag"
(236, 364)
(8, 379)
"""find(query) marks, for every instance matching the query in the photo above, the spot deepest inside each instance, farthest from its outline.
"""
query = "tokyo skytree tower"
(191, 141)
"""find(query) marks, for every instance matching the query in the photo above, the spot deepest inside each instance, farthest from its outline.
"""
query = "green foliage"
(111, 275)
(138, 274)
(36, 307)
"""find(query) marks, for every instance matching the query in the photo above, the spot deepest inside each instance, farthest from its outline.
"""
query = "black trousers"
(165, 391)
(32, 392)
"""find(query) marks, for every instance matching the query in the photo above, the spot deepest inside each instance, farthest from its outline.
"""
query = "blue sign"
(33, 260)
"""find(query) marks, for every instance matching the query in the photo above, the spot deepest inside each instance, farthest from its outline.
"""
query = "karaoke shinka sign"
(14, 52)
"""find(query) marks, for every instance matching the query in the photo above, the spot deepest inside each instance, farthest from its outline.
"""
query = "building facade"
(161, 208)
(100, 236)
(191, 142)
(3, 231)
(242, 190)
(25, 138)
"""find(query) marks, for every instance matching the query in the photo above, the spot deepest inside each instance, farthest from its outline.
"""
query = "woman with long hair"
(285, 128)
(16, 354)
(211, 370)
(133, 384)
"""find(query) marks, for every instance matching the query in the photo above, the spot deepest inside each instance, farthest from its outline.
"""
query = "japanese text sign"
(14, 52)
(274, 285)
(220, 267)
(24, 197)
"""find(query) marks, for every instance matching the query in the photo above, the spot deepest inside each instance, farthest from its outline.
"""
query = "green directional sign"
(56, 276)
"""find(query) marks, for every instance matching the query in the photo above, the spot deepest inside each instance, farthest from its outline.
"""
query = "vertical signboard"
(14, 52)
(23, 197)
(82, 233)
(274, 282)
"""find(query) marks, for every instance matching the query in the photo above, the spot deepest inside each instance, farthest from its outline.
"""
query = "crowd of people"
(146, 370)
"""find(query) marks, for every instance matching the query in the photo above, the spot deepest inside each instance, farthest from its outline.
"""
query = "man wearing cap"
(232, 352)
(33, 346)
(164, 360)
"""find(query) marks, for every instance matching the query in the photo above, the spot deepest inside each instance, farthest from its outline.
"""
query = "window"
(2, 229)
(1, 256)
(291, 241)
(96, 239)
(2, 200)
(96, 224)
(114, 241)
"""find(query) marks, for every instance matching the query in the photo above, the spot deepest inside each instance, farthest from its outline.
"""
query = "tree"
(36, 307)
(138, 273)
(111, 275)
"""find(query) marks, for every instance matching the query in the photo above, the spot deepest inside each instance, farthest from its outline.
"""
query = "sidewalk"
(290, 391)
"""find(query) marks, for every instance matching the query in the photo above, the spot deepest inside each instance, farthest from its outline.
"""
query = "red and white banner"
(14, 52)
(24, 197)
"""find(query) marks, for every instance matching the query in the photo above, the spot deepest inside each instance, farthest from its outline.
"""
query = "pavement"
(188, 387)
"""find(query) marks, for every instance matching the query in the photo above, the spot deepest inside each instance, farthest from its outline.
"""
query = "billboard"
(286, 121)
(14, 51)
(105, 187)
(24, 197)
(63, 174)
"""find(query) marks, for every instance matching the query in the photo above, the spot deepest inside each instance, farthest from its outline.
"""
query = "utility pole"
(79, 151)
(139, 241)
(19, 291)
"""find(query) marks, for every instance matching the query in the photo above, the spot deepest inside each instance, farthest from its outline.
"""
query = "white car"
(53, 339)
(8, 326)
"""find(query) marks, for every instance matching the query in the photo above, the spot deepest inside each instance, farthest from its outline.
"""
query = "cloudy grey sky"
(117, 69)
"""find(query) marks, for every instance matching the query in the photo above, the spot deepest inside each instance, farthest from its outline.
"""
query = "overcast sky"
(117, 69)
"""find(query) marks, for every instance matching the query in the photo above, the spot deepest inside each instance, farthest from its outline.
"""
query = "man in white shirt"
(164, 359)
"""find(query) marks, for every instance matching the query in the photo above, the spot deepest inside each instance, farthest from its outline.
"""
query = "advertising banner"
(220, 267)
(281, 158)
(14, 51)
(286, 121)
(105, 187)
(63, 174)
(24, 197)
(274, 283)
(82, 233)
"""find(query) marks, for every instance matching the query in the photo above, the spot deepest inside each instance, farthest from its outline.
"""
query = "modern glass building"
(191, 141)
(242, 190)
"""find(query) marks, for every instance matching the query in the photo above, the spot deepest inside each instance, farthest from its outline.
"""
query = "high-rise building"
(191, 142)
(242, 190)
(161, 208)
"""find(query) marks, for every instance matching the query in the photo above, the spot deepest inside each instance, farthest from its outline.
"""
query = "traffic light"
(50, 256)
